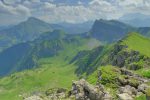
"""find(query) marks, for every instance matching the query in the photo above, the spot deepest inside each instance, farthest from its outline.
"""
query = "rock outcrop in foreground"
(130, 86)
(82, 90)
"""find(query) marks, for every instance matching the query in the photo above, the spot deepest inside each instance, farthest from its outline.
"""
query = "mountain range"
(103, 30)
(33, 28)
(42, 40)
(37, 58)
(26, 55)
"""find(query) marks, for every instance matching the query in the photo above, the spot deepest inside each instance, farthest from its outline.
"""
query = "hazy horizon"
(58, 11)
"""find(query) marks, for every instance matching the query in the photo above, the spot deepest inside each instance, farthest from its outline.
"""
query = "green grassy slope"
(52, 72)
(55, 72)
(137, 42)
(109, 76)
(132, 42)
(132, 52)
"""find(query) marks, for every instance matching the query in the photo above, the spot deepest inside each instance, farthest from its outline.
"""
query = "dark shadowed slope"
(50, 44)
(109, 31)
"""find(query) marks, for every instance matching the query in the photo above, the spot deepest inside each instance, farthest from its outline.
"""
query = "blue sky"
(74, 11)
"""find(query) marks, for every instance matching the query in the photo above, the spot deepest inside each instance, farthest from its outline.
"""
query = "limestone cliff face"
(127, 89)
(82, 90)
(122, 57)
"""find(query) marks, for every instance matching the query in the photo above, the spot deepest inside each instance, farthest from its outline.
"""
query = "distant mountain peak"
(109, 30)
(32, 19)
(109, 22)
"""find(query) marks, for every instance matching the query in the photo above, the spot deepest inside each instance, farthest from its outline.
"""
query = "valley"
(49, 64)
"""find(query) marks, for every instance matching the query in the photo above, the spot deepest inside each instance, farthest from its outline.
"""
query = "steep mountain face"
(25, 31)
(112, 30)
(109, 31)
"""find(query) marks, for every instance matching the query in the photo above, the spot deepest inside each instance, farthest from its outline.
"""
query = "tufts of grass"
(145, 72)
(109, 76)
(137, 42)
(141, 97)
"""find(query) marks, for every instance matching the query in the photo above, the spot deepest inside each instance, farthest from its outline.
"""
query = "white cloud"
(11, 2)
(54, 13)
(130, 2)
(133, 6)
(11, 14)
(17, 10)
(51, 12)
(99, 3)
(22, 10)
(48, 5)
